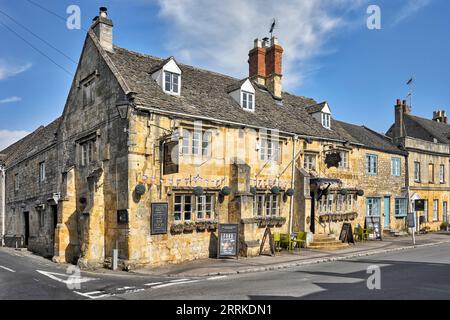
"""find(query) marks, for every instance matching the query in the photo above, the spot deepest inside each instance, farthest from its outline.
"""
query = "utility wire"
(40, 38)
(39, 51)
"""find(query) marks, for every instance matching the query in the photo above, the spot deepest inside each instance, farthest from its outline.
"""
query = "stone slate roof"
(424, 129)
(369, 138)
(205, 94)
(316, 108)
(38, 140)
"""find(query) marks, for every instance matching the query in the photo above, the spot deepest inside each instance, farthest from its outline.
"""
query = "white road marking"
(70, 278)
(178, 280)
(7, 269)
(216, 277)
(174, 284)
(152, 283)
(89, 294)
(125, 288)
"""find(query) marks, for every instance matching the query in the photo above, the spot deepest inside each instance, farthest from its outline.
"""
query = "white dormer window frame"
(326, 120)
(247, 100)
(168, 78)
(172, 82)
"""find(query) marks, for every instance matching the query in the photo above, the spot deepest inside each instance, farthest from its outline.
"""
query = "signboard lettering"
(159, 216)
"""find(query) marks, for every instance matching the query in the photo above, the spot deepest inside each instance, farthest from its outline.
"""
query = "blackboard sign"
(228, 240)
(374, 223)
(419, 205)
(159, 217)
(347, 233)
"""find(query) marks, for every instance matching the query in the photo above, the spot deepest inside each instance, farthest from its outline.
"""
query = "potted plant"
(189, 226)
(444, 226)
(271, 222)
(212, 225)
(280, 221)
(177, 227)
(200, 225)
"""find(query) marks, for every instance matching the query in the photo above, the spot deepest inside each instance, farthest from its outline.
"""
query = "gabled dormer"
(243, 93)
(322, 113)
(168, 76)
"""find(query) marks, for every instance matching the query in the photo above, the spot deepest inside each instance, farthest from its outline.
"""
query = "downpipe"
(2, 204)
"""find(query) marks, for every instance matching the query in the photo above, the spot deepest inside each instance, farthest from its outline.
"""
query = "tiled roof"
(369, 138)
(33, 143)
(316, 108)
(424, 129)
(205, 94)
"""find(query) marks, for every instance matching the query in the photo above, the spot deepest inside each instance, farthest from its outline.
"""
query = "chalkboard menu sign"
(419, 205)
(159, 217)
(374, 223)
(228, 240)
(347, 233)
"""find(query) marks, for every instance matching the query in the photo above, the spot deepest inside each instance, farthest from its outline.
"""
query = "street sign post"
(412, 224)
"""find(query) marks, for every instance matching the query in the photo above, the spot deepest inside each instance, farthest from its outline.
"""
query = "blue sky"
(330, 54)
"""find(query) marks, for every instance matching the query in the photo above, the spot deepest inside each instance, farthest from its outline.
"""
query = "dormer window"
(171, 82)
(247, 101)
(168, 76)
(243, 93)
(322, 113)
(326, 120)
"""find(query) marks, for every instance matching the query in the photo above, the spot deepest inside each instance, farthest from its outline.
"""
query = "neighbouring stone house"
(427, 142)
(139, 131)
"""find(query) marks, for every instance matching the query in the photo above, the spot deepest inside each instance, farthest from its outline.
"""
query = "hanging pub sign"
(374, 223)
(419, 205)
(332, 159)
(170, 157)
(159, 215)
(228, 240)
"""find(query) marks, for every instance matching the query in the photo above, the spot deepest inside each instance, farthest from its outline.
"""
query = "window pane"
(168, 80)
(250, 101)
(186, 141)
(206, 143)
(244, 100)
(175, 83)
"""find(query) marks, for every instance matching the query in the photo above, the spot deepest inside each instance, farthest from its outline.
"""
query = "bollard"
(115, 257)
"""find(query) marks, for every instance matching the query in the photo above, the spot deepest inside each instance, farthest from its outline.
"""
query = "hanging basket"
(253, 190)
(344, 192)
(290, 192)
(225, 191)
(275, 190)
(139, 189)
(360, 193)
(198, 191)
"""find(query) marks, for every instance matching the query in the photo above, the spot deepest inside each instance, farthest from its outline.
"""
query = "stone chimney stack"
(103, 29)
(265, 64)
(440, 116)
(399, 127)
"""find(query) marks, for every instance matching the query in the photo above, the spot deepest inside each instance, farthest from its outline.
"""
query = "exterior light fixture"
(123, 109)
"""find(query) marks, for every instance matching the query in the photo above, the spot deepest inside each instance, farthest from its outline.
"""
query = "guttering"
(3, 202)
(165, 112)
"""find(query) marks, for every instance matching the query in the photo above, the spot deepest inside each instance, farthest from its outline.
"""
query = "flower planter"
(201, 226)
(189, 227)
(211, 226)
(177, 228)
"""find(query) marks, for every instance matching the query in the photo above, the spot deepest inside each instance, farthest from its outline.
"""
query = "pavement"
(24, 275)
(282, 260)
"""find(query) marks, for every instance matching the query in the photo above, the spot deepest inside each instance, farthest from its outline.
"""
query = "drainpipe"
(2, 204)
(291, 204)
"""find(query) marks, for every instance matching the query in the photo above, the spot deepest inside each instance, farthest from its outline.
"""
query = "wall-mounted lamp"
(123, 108)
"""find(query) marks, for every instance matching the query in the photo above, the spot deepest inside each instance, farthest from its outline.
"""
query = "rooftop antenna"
(272, 27)
(410, 93)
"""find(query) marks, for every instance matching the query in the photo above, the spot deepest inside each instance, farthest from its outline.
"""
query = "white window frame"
(258, 205)
(168, 75)
(417, 171)
(270, 149)
(432, 173)
(435, 210)
(310, 161)
(247, 100)
(205, 206)
(442, 173)
(344, 163)
(196, 143)
(182, 212)
(401, 207)
(42, 172)
(326, 120)
(87, 152)
(371, 204)
(396, 165)
(372, 164)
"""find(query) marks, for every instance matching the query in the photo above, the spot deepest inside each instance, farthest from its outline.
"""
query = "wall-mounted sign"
(333, 159)
(122, 216)
(419, 205)
(228, 240)
(159, 217)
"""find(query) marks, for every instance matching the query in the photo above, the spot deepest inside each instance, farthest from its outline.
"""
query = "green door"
(387, 212)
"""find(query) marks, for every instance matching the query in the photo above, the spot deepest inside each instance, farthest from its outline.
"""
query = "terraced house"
(141, 136)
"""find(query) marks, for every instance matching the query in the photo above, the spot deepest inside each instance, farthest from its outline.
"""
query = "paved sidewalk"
(211, 267)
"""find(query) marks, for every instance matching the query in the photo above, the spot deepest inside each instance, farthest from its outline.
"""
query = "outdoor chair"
(277, 241)
(286, 241)
(299, 239)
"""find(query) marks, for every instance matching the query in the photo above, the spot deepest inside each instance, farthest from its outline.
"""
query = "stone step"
(337, 246)
(325, 240)
(326, 243)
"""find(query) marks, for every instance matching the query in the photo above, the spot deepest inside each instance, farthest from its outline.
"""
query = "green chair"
(286, 241)
(363, 234)
(299, 239)
(277, 241)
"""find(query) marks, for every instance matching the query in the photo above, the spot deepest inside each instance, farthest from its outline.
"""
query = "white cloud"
(409, 9)
(218, 34)
(10, 100)
(8, 137)
(9, 70)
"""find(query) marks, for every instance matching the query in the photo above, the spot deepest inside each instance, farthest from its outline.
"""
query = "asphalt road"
(422, 273)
